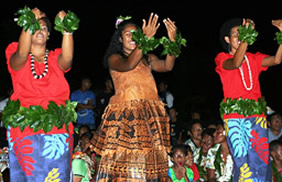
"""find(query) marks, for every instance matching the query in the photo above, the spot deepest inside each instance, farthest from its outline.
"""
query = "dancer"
(39, 114)
(243, 108)
(133, 137)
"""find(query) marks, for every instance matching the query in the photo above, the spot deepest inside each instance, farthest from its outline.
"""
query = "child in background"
(276, 153)
(179, 172)
(190, 163)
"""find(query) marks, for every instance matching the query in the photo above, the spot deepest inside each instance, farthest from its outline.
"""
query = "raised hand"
(150, 28)
(171, 29)
(38, 14)
(248, 21)
(277, 23)
(61, 14)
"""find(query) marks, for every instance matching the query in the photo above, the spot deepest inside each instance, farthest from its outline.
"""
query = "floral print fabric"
(247, 139)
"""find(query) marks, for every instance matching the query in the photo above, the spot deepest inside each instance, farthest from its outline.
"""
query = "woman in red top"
(38, 154)
(243, 108)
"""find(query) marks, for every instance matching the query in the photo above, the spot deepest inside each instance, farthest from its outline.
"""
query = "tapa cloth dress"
(133, 137)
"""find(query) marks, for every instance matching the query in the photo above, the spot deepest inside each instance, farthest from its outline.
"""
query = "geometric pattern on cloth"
(133, 142)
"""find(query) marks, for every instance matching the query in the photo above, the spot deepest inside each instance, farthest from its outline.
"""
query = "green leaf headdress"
(121, 19)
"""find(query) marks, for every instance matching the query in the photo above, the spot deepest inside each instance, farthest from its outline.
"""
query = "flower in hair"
(121, 19)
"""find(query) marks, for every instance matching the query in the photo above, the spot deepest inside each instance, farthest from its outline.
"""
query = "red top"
(30, 91)
(231, 80)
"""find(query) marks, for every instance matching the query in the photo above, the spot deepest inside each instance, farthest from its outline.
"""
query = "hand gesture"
(171, 29)
(248, 21)
(38, 14)
(151, 28)
(277, 23)
(61, 14)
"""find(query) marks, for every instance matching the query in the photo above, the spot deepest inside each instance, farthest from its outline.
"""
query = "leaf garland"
(246, 107)
(69, 24)
(278, 37)
(146, 44)
(173, 48)
(247, 35)
(37, 118)
(27, 20)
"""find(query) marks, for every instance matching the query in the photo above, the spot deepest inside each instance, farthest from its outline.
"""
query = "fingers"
(170, 25)
(153, 20)
(277, 23)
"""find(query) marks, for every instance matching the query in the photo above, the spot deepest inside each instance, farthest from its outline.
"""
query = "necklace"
(250, 75)
(35, 76)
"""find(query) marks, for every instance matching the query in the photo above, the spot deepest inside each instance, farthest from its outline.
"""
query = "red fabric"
(30, 91)
(231, 80)
(195, 171)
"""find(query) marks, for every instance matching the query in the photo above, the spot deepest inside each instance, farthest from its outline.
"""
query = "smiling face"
(220, 134)
(41, 36)
(126, 38)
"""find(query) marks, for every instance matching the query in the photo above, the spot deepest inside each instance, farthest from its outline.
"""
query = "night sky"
(193, 81)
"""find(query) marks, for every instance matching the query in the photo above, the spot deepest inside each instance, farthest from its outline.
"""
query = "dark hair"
(181, 147)
(225, 30)
(115, 46)
(209, 132)
(193, 122)
(273, 145)
(48, 23)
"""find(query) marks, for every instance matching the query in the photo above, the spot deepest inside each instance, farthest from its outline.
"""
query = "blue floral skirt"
(40, 157)
(247, 139)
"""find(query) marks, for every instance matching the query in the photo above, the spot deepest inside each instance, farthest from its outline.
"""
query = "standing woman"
(39, 114)
(133, 138)
(243, 108)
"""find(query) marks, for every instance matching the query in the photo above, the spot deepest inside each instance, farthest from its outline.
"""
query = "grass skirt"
(133, 142)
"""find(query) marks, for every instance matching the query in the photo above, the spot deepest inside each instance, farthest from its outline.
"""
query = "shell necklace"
(35, 76)
(250, 75)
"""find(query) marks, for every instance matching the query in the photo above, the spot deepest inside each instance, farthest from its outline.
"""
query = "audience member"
(176, 129)
(86, 103)
(103, 99)
(164, 94)
(83, 166)
(275, 126)
(275, 147)
(219, 160)
(200, 155)
(195, 133)
(179, 172)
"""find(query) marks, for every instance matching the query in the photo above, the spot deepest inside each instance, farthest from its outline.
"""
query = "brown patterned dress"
(133, 139)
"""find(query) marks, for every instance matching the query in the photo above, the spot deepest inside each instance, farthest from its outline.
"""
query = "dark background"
(193, 81)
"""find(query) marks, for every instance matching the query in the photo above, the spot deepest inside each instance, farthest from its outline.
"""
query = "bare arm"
(167, 64)
(238, 53)
(118, 63)
(274, 60)
(66, 57)
(19, 58)
(238, 58)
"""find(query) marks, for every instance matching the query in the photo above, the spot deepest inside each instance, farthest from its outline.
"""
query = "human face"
(179, 157)
(220, 134)
(41, 36)
(196, 132)
(233, 39)
(86, 84)
(276, 122)
(279, 153)
(206, 143)
(84, 143)
(189, 159)
(128, 44)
